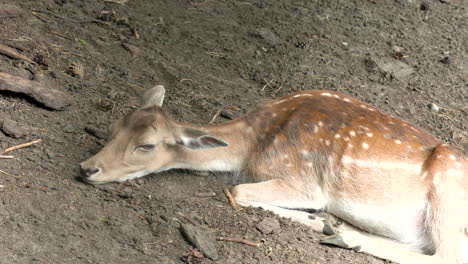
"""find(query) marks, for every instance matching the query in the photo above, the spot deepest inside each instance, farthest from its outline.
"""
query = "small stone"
(434, 107)
(398, 69)
(50, 154)
(396, 49)
(269, 225)
(12, 128)
(202, 238)
(69, 128)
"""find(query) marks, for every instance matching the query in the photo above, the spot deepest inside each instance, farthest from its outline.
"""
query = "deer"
(400, 193)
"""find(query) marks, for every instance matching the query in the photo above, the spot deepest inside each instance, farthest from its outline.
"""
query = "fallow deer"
(401, 193)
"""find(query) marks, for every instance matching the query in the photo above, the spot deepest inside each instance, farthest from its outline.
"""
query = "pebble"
(434, 107)
(269, 225)
(12, 128)
(202, 238)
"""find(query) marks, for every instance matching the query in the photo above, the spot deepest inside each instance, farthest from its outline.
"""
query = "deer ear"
(154, 96)
(197, 139)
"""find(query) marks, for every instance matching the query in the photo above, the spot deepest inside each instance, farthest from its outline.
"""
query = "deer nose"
(88, 172)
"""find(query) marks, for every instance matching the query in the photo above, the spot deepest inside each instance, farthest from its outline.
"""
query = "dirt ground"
(407, 57)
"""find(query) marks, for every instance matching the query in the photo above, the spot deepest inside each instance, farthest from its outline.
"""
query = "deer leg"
(282, 198)
(350, 237)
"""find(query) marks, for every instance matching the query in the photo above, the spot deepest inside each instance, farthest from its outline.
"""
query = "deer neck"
(229, 158)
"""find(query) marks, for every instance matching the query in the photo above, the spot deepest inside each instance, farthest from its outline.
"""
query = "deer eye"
(146, 147)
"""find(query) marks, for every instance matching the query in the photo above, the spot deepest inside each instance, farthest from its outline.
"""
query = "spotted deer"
(401, 194)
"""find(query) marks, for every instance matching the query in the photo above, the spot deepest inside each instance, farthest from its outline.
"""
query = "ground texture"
(407, 57)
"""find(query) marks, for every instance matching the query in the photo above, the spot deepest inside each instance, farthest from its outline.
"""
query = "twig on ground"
(267, 83)
(215, 116)
(24, 145)
(6, 157)
(238, 240)
(12, 53)
(6, 173)
(205, 194)
(231, 200)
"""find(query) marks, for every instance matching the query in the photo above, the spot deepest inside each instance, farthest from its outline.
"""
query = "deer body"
(398, 188)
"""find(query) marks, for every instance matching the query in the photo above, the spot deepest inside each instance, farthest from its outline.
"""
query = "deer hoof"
(335, 240)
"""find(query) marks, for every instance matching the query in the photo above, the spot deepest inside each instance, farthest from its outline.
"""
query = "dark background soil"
(210, 55)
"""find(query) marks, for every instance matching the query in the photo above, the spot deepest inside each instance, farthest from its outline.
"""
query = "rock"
(398, 69)
(201, 238)
(12, 128)
(434, 107)
(51, 98)
(269, 225)
(268, 36)
(69, 128)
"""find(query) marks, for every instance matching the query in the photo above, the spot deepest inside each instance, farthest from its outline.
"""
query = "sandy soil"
(401, 56)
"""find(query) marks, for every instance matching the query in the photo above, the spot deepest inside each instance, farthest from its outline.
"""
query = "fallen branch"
(12, 53)
(231, 200)
(6, 157)
(239, 240)
(24, 145)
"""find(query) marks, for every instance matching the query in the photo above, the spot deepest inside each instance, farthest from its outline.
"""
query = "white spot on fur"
(321, 140)
(336, 96)
(249, 129)
(297, 95)
(327, 142)
(452, 157)
(288, 165)
(337, 136)
(347, 100)
(274, 115)
(349, 145)
(363, 106)
(346, 138)
(365, 145)
(326, 94)
(352, 133)
(309, 164)
(304, 152)
(280, 101)
(398, 141)
(320, 123)
(369, 134)
(439, 156)
(315, 129)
